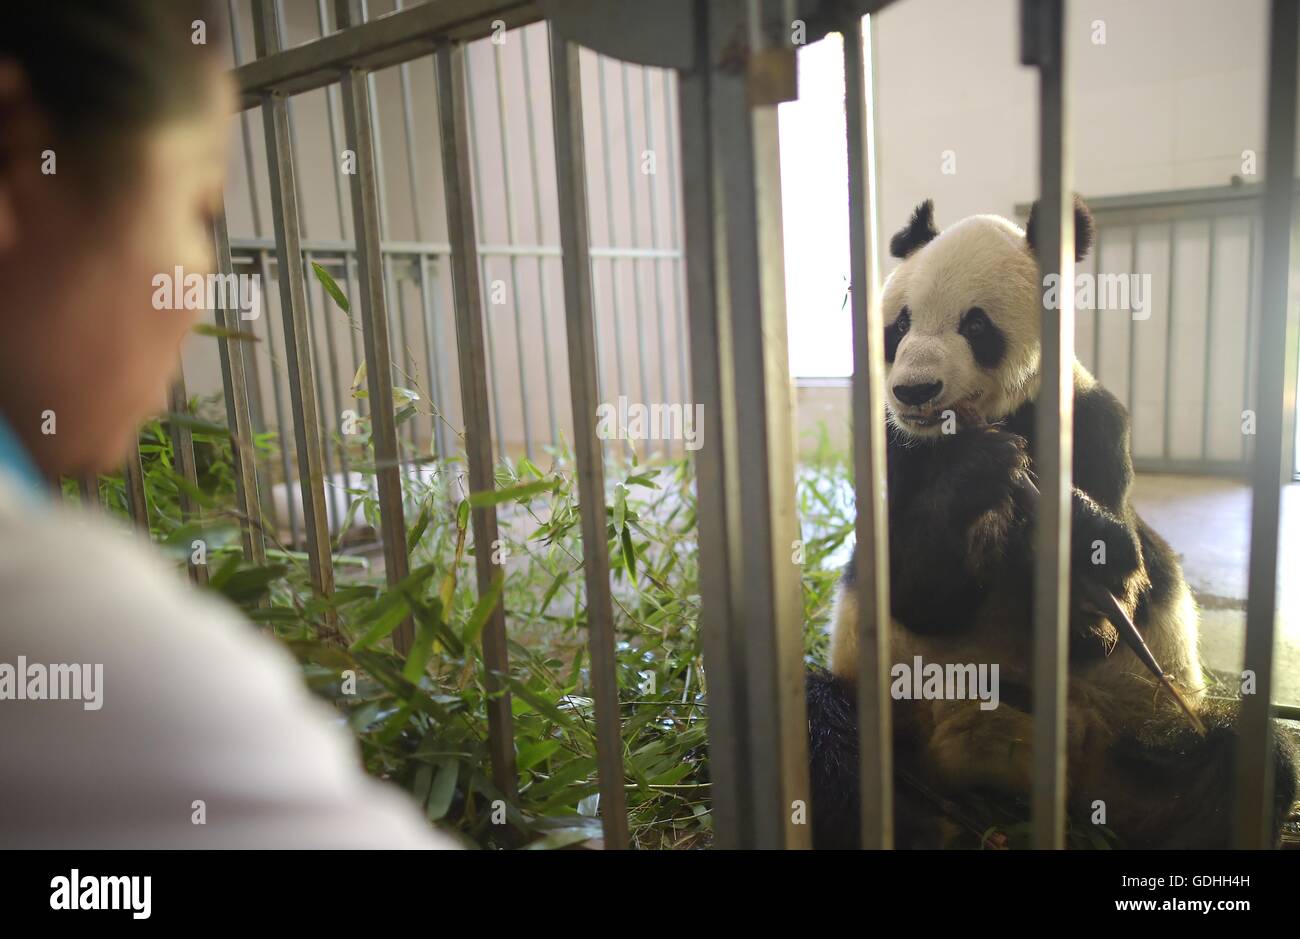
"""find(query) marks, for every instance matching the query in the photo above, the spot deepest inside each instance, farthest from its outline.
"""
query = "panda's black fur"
(1164, 785)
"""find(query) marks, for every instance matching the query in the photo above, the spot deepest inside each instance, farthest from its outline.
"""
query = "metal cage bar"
(453, 122)
(137, 505)
(728, 736)
(1042, 36)
(872, 582)
(1275, 395)
(293, 312)
(358, 128)
(238, 418)
(183, 448)
(757, 434)
(566, 89)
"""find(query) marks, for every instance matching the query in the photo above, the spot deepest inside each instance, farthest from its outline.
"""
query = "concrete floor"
(1207, 521)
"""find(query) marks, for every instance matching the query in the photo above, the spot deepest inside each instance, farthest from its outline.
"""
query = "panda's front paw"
(1104, 549)
(990, 471)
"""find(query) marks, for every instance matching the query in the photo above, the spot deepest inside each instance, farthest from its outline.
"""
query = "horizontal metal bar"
(1246, 197)
(442, 248)
(382, 42)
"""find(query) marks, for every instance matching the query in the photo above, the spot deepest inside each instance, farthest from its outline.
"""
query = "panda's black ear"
(920, 231)
(1083, 229)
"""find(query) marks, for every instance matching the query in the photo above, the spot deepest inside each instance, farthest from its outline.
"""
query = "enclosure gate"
(735, 62)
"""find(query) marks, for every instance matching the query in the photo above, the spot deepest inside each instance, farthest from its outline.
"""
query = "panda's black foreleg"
(955, 511)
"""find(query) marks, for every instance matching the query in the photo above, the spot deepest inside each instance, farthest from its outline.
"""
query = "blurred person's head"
(113, 146)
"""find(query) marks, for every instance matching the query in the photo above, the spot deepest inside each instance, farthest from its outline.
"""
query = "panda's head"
(962, 318)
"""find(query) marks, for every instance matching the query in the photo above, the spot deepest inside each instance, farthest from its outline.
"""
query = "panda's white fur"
(984, 261)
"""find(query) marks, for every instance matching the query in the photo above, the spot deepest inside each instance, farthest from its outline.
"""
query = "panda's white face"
(962, 323)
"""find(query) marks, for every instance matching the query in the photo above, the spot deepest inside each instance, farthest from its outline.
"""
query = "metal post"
(374, 329)
(453, 122)
(1275, 397)
(293, 311)
(723, 648)
(566, 90)
(758, 435)
(183, 449)
(876, 746)
(1042, 37)
(238, 418)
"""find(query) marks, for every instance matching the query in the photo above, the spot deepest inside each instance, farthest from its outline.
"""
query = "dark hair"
(104, 70)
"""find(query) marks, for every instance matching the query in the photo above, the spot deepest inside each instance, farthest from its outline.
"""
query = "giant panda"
(962, 345)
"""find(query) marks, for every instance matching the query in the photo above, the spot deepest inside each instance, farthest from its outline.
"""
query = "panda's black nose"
(918, 394)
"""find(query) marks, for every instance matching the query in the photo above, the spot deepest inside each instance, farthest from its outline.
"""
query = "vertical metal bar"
(724, 661)
(656, 264)
(336, 399)
(1132, 328)
(616, 312)
(282, 29)
(633, 229)
(238, 417)
(876, 739)
(1275, 397)
(326, 472)
(432, 347)
(476, 181)
(277, 397)
(1096, 313)
(453, 122)
(183, 449)
(331, 103)
(544, 304)
(359, 12)
(137, 504)
(245, 128)
(566, 88)
(510, 236)
(1043, 28)
(1206, 377)
(351, 282)
(759, 437)
(674, 195)
(1250, 327)
(374, 327)
(393, 298)
(293, 311)
(1169, 342)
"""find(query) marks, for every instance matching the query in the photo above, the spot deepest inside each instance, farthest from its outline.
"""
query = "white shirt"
(196, 709)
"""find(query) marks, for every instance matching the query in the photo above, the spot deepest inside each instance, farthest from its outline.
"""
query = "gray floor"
(1207, 521)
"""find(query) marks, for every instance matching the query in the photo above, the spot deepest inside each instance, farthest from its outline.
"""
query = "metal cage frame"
(738, 370)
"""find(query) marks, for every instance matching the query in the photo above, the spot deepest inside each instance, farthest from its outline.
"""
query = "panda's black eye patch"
(895, 332)
(987, 342)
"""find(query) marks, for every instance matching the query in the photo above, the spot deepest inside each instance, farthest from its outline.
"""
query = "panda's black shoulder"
(1103, 463)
